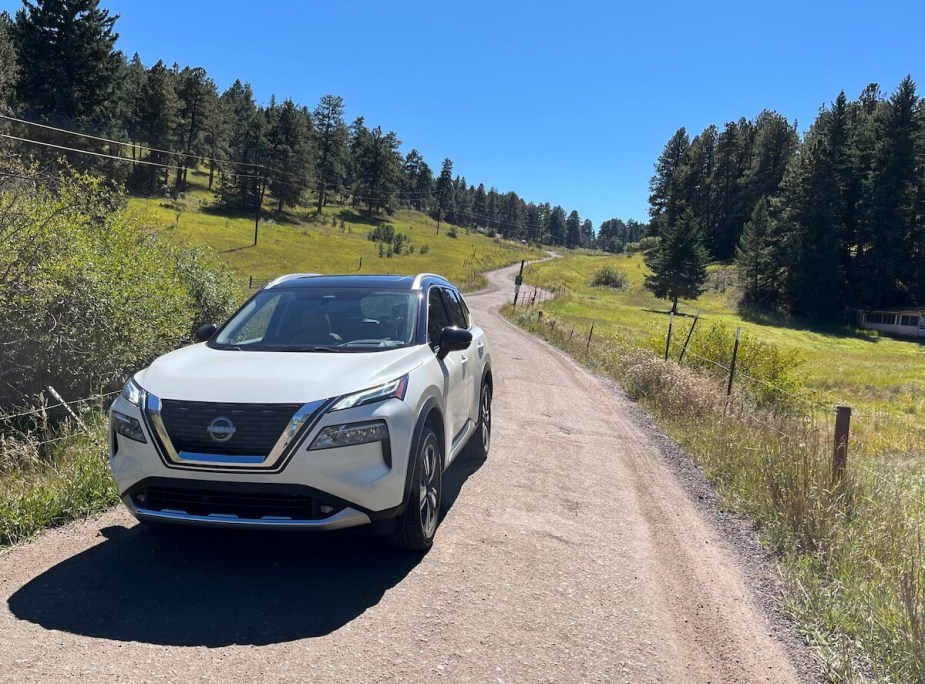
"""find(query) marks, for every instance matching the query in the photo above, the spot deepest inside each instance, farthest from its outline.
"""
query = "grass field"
(297, 241)
(839, 364)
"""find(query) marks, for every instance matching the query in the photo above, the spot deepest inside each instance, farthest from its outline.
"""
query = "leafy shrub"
(384, 232)
(424, 249)
(609, 276)
(452, 232)
(90, 293)
(644, 245)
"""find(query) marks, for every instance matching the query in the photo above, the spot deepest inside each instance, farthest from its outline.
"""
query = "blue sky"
(568, 102)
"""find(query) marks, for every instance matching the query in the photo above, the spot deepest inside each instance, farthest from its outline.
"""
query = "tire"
(480, 442)
(416, 527)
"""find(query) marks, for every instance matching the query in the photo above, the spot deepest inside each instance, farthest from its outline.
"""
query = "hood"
(199, 373)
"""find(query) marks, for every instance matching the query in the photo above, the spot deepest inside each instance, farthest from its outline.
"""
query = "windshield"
(304, 319)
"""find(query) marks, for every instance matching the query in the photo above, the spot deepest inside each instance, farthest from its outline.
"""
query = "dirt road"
(573, 554)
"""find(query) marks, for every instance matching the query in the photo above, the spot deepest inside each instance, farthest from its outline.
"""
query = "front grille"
(243, 504)
(257, 426)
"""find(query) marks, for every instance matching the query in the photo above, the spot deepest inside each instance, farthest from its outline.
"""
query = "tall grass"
(50, 475)
(850, 551)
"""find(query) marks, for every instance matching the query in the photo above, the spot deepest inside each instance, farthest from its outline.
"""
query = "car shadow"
(199, 587)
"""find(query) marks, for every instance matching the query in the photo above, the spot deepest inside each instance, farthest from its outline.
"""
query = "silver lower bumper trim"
(348, 517)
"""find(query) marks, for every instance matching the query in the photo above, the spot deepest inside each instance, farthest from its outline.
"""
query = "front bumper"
(356, 485)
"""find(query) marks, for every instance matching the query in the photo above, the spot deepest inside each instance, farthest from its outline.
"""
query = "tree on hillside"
(573, 230)
(443, 192)
(587, 234)
(290, 152)
(67, 58)
(555, 226)
(756, 266)
(159, 116)
(666, 198)
(9, 63)
(331, 136)
(377, 167)
(679, 263)
(197, 104)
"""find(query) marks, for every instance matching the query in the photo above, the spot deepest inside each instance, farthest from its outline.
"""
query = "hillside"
(299, 241)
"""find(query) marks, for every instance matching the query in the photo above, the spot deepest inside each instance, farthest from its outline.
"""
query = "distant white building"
(908, 322)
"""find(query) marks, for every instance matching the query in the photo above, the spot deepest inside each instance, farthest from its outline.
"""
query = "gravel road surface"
(574, 553)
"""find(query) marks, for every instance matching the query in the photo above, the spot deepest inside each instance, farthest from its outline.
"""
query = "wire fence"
(880, 439)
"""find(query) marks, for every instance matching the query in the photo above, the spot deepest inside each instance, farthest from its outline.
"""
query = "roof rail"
(290, 276)
(416, 285)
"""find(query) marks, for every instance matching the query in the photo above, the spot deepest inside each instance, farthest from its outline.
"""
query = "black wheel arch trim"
(430, 404)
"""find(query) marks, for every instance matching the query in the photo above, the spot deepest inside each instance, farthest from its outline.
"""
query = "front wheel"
(417, 525)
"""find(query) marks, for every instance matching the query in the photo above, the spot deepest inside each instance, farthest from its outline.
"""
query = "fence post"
(668, 339)
(250, 282)
(840, 451)
(688, 339)
(591, 332)
(732, 366)
(571, 332)
(67, 408)
(361, 264)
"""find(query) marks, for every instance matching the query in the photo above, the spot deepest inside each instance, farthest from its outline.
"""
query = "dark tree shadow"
(199, 587)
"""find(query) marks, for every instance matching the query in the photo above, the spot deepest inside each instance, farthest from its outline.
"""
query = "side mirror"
(453, 339)
(205, 333)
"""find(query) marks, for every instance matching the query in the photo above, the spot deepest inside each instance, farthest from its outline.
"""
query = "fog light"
(351, 434)
(326, 509)
(128, 427)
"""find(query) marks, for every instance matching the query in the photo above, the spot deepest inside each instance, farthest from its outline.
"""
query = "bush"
(452, 232)
(90, 292)
(646, 244)
(384, 232)
(609, 276)
(424, 249)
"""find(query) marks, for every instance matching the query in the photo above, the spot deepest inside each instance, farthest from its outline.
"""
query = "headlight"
(133, 393)
(350, 435)
(390, 390)
(128, 427)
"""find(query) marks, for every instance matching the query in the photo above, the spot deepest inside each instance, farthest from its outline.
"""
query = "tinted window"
(437, 318)
(455, 307)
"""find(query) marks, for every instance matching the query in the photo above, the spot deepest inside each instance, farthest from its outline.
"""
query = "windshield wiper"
(314, 348)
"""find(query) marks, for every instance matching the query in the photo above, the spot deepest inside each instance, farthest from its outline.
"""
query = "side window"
(437, 318)
(455, 307)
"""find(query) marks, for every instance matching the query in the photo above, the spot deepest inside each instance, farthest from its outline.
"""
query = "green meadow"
(298, 241)
(839, 364)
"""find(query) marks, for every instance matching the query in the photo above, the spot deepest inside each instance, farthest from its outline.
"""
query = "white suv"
(325, 402)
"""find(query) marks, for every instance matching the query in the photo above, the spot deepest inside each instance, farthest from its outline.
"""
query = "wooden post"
(571, 332)
(688, 339)
(591, 332)
(840, 451)
(668, 339)
(361, 264)
(732, 366)
(67, 408)
(250, 282)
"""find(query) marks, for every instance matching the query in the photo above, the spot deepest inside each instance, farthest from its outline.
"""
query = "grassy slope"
(861, 368)
(295, 243)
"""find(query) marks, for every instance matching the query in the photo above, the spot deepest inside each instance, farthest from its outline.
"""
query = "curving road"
(573, 554)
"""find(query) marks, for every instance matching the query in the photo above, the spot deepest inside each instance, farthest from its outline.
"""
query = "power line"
(145, 148)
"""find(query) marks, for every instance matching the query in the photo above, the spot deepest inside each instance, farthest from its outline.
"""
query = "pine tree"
(9, 63)
(755, 263)
(666, 198)
(197, 102)
(587, 234)
(158, 118)
(555, 226)
(679, 263)
(67, 58)
(290, 153)
(377, 167)
(443, 193)
(331, 136)
(573, 230)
